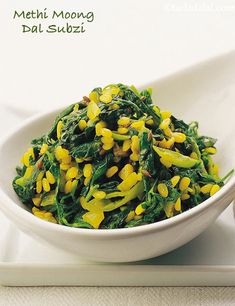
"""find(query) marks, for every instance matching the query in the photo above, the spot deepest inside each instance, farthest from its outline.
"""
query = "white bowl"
(206, 93)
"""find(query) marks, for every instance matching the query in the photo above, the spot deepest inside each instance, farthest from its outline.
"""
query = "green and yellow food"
(116, 160)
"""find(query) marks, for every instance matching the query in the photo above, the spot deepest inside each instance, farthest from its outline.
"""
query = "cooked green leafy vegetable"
(116, 160)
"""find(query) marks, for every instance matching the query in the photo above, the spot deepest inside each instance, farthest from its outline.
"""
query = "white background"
(129, 41)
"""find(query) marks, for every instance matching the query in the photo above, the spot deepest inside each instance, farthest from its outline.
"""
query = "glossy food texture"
(116, 160)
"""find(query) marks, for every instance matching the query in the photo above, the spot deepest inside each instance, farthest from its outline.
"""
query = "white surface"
(130, 41)
(117, 296)
(38, 72)
(207, 260)
(209, 85)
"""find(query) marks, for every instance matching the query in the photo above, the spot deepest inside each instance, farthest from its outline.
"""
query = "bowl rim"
(9, 206)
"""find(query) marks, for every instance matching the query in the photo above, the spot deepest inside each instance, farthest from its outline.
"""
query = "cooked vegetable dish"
(115, 160)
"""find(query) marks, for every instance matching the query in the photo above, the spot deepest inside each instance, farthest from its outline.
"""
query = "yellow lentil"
(210, 150)
(106, 98)
(111, 171)
(168, 132)
(87, 180)
(139, 210)
(179, 137)
(114, 90)
(76, 107)
(215, 169)
(45, 184)
(31, 152)
(99, 126)
(68, 186)
(72, 173)
(61, 153)
(215, 188)
(175, 180)
(126, 171)
(163, 144)
(26, 159)
(206, 188)
(163, 190)
(39, 186)
(165, 114)
(40, 176)
(43, 149)
(94, 96)
(87, 170)
(66, 160)
(65, 166)
(165, 123)
(79, 160)
(43, 214)
(59, 128)
(28, 172)
(126, 145)
(50, 177)
(178, 205)
(93, 110)
(99, 195)
(124, 121)
(115, 106)
(169, 143)
(82, 124)
(138, 125)
(150, 122)
(134, 156)
(108, 146)
(107, 140)
(135, 145)
(130, 216)
(169, 210)
(36, 201)
(122, 130)
(184, 183)
(106, 132)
